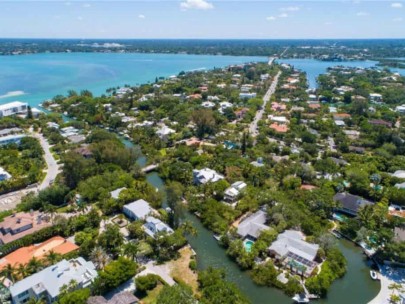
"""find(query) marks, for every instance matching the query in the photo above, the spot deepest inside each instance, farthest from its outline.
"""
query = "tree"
(34, 265)
(99, 257)
(131, 250)
(79, 296)
(146, 282)
(52, 257)
(9, 272)
(68, 288)
(176, 294)
(205, 122)
(111, 239)
(29, 113)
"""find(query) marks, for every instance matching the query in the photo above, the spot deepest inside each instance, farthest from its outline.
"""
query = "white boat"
(373, 275)
(300, 298)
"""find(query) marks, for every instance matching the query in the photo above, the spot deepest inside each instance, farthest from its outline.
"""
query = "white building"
(224, 105)
(164, 132)
(232, 193)
(208, 104)
(154, 225)
(47, 283)
(206, 175)
(247, 95)
(138, 210)
(12, 108)
(374, 97)
(279, 119)
(4, 175)
(400, 109)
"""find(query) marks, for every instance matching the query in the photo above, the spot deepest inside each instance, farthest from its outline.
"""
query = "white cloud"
(362, 14)
(196, 4)
(87, 5)
(80, 18)
(396, 5)
(290, 9)
(283, 15)
(399, 19)
(328, 23)
(271, 18)
(140, 16)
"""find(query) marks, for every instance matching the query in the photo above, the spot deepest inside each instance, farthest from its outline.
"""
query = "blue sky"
(202, 19)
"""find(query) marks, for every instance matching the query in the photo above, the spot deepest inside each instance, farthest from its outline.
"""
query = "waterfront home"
(124, 297)
(11, 139)
(252, 226)
(23, 255)
(4, 175)
(137, 210)
(400, 109)
(375, 98)
(206, 175)
(399, 174)
(154, 225)
(115, 194)
(47, 283)
(233, 192)
(292, 251)
(13, 108)
(350, 204)
(20, 224)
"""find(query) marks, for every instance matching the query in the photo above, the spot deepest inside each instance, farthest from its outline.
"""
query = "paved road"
(52, 166)
(259, 114)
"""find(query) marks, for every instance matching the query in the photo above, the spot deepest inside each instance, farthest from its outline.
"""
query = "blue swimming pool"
(248, 245)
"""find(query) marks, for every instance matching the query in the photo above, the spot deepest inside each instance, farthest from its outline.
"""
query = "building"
(232, 193)
(374, 97)
(115, 194)
(252, 226)
(400, 109)
(380, 122)
(154, 225)
(399, 174)
(138, 210)
(124, 297)
(11, 139)
(292, 251)
(18, 225)
(350, 204)
(164, 132)
(23, 255)
(47, 283)
(247, 95)
(206, 175)
(4, 175)
(13, 108)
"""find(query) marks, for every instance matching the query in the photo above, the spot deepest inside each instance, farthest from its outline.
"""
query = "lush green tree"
(79, 296)
(176, 294)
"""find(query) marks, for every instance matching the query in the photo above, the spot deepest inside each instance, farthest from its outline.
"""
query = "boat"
(300, 298)
(373, 275)
(217, 237)
(336, 234)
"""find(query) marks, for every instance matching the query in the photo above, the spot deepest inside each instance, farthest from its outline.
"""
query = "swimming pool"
(248, 245)
(339, 217)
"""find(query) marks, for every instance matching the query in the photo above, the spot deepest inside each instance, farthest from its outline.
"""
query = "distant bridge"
(150, 168)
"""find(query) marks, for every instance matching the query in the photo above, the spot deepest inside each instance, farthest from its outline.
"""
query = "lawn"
(152, 295)
(180, 270)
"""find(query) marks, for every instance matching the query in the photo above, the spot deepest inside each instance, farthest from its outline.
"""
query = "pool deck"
(388, 276)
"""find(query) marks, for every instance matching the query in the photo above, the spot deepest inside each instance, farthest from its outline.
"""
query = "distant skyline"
(202, 19)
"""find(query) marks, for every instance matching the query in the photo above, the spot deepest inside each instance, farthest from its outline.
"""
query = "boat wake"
(12, 94)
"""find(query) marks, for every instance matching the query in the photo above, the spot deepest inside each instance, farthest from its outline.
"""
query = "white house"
(374, 97)
(11, 139)
(247, 95)
(154, 225)
(399, 174)
(47, 283)
(206, 175)
(164, 132)
(224, 105)
(12, 108)
(400, 109)
(232, 193)
(138, 210)
(208, 104)
(4, 175)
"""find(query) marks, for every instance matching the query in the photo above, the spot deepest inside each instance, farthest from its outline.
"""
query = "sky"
(245, 19)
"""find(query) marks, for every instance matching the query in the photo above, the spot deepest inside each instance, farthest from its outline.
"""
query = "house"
(115, 194)
(164, 132)
(137, 210)
(10, 131)
(374, 97)
(400, 109)
(84, 151)
(232, 193)
(252, 226)
(291, 250)
(350, 204)
(340, 123)
(47, 283)
(11, 139)
(154, 225)
(278, 119)
(206, 175)
(23, 255)
(20, 224)
(224, 105)
(240, 114)
(341, 116)
(12, 108)
(208, 104)
(4, 175)
(399, 174)
(278, 107)
(352, 134)
(399, 234)
(247, 95)
(279, 128)
(380, 122)
(124, 297)
(400, 185)
(53, 125)
(358, 150)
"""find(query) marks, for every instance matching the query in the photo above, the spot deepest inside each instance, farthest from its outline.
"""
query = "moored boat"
(373, 275)
(300, 298)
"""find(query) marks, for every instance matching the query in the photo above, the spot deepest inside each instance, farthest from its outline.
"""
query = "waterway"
(37, 77)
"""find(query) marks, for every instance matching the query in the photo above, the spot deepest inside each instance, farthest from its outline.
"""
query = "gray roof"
(140, 208)
(116, 193)
(350, 202)
(54, 277)
(124, 297)
(293, 241)
(253, 225)
(154, 225)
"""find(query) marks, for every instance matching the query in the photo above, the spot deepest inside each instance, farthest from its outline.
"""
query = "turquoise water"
(340, 217)
(248, 245)
(313, 67)
(42, 76)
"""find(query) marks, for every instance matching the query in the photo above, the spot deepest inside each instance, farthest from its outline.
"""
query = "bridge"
(149, 168)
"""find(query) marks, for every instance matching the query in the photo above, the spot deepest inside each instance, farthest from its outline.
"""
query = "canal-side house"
(293, 252)
(154, 226)
(233, 192)
(252, 226)
(350, 204)
(137, 210)
(206, 175)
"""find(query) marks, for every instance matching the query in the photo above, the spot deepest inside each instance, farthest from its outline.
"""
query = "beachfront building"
(4, 175)
(233, 192)
(137, 210)
(47, 283)
(23, 255)
(292, 251)
(154, 226)
(13, 108)
(18, 225)
(206, 175)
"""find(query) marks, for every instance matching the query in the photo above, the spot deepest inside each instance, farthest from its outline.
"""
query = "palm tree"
(395, 287)
(9, 272)
(34, 265)
(188, 228)
(36, 301)
(131, 250)
(99, 257)
(52, 257)
(22, 271)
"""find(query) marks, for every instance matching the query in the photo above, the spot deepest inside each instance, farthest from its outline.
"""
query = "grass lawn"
(181, 271)
(152, 295)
